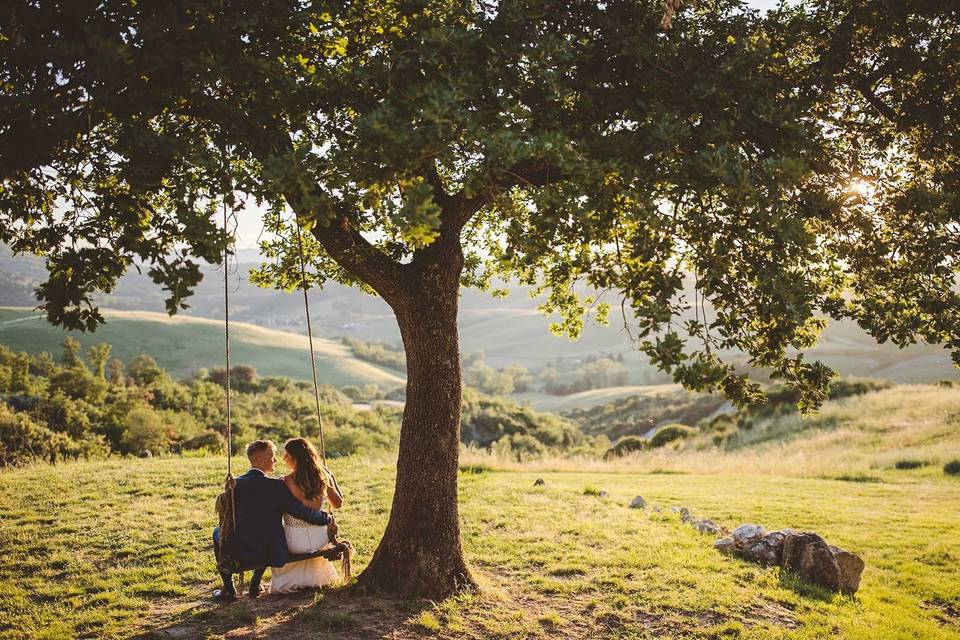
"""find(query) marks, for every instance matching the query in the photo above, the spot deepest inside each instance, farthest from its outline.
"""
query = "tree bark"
(420, 554)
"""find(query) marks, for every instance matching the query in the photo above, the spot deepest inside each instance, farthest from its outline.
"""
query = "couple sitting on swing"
(278, 522)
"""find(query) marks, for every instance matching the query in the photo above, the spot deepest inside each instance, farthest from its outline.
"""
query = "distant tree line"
(381, 353)
(88, 405)
(476, 372)
(594, 373)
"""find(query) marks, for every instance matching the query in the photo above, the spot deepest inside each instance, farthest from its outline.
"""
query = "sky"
(249, 219)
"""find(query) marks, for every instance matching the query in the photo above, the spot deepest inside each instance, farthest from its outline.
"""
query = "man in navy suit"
(259, 504)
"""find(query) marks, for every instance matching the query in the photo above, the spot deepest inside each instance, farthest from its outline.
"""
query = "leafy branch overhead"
(795, 167)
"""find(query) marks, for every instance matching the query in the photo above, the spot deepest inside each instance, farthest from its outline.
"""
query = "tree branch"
(347, 246)
(529, 173)
(864, 88)
(339, 237)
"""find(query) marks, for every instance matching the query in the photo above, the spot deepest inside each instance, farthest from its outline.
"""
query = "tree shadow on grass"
(342, 611)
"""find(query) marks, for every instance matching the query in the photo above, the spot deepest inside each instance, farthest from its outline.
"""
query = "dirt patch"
(775, 613)
(946, 613)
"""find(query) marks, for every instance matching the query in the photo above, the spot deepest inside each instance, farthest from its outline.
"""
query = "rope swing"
(342, 549)
(225, 505)
(313, 357)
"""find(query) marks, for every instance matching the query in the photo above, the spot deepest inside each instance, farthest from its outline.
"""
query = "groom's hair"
(258, 446)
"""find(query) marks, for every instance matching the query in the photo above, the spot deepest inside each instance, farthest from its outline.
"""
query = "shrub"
(398, 394)
(910, 464)
(366, 393)
(952, 468)
(243, 377)
(669, 433)
(381, 353)
(857, 477)
(144, 371)
(475, 469)
(626, 445)
(143, 430)
(209, 440)
(22, 440)
(486, 420)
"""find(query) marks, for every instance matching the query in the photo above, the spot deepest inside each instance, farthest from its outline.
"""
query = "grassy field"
(181, 344)
(855, 437)
(121, 549)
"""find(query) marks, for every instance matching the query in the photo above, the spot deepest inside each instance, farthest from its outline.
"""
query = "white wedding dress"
(303, 537)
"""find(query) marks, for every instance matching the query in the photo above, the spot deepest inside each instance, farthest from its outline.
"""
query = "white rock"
(747, 535)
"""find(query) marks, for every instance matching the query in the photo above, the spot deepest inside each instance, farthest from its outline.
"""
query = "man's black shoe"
(224, 595)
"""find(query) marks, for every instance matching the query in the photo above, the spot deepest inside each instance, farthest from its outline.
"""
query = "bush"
(144, 371)
(209, 440)
(366, 393)
(243, 378)
(398, 394)
(486, 420)
(952, 468)
(22, 440)
(626, 445)
(143, 430)
(381, 353)
(670, 432)
(910, 464)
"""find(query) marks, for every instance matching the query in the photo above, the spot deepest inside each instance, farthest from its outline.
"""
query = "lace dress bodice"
(291, 521)
(303, 537)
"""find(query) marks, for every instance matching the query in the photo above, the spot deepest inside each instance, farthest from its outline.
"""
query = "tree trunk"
(420, 554)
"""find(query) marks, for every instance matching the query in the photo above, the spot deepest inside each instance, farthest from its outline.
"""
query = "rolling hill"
(508, 331)
(183, 344)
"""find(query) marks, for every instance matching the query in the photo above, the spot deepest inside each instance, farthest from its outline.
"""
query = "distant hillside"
(856, 437)
(638, 414)
(508, 331)
(182, 345)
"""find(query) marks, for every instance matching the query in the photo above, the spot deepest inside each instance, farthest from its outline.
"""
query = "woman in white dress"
(310, 483)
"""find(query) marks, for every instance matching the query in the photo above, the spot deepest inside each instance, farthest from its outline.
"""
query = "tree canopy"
(798, 165)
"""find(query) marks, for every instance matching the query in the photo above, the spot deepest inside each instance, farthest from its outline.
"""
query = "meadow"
(120, 549)
(184, 344)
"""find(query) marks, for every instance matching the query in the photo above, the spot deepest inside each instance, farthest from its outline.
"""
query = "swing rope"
(340, 549)
(226, 332)
(225, 505)
(313, 357)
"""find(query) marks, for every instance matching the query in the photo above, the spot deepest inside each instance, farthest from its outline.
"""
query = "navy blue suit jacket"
(260, 503)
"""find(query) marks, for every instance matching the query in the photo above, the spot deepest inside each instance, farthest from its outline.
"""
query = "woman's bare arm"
(334, 497)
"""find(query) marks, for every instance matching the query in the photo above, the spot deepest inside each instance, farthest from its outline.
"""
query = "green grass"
(183, 344)
(121, 548)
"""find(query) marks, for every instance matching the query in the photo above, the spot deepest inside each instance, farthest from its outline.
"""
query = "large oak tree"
(798, 166)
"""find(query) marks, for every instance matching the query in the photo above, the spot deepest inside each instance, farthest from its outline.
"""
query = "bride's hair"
(309, 475)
